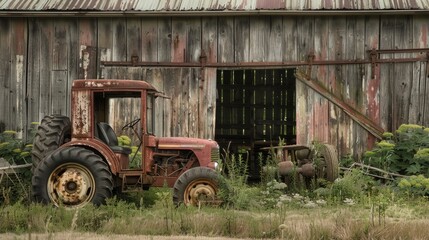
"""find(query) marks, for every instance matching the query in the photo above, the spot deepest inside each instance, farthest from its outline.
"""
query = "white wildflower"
(349, 201)
(310, 204)
(321, 202)
(280, 186)
(297, 196)
(285, 198)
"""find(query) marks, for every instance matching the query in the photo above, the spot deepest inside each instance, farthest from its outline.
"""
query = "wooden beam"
(358, 117)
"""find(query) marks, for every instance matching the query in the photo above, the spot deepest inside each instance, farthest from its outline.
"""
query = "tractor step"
(134, 180)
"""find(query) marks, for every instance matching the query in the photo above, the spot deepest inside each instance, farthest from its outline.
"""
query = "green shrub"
(415, 185)
(404, 152)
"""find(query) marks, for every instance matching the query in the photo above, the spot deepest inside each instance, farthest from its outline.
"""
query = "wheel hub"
(201, 192)
(71, 186)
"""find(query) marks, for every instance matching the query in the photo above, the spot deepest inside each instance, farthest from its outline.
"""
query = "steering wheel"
(131, 124)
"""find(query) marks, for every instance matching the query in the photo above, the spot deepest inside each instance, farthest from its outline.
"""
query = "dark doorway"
(255, 109)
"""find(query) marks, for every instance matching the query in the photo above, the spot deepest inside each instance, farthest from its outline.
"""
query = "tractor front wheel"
(195, 186)
(72, 177)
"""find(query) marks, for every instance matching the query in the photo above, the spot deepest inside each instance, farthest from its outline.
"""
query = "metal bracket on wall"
(375, 57)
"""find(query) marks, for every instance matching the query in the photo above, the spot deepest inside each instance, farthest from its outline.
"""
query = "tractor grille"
(215, 155)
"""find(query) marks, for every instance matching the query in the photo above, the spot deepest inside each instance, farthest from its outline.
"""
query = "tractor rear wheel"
(72, 177)
(197, 185)
(53, 131)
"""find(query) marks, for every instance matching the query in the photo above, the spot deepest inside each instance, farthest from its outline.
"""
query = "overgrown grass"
(401, 221)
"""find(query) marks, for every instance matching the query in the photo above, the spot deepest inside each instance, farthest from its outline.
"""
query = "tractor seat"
(108, 136)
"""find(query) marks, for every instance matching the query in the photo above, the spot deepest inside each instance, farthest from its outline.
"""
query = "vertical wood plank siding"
(40, 57)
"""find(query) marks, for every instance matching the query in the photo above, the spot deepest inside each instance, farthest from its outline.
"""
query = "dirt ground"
(92, 236)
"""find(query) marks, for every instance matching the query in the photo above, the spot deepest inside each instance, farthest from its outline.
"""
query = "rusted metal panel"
(82, 117)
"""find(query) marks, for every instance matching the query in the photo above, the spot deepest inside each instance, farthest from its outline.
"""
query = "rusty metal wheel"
(195, 186)
(329, 167)
(72, 177)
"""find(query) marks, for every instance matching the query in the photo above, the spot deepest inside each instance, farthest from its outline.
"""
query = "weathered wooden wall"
(39, 58)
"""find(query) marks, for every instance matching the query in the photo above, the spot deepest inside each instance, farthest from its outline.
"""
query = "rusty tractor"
(79, 160)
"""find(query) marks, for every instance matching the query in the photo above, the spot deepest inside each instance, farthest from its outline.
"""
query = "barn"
(246, 73)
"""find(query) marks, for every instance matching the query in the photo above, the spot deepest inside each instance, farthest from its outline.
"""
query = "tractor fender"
(99, 148)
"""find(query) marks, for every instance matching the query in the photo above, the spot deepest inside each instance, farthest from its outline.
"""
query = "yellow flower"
(408, 127)
(9, 132)
(24, 154)
(387, 135)
(370, 154)
(16, 150)
(422, 153)
(385, 144)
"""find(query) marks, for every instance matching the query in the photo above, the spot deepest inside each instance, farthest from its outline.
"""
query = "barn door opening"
(255, 109)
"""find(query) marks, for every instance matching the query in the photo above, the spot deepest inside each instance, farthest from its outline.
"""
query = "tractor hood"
(207, 151)
(182, 143)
